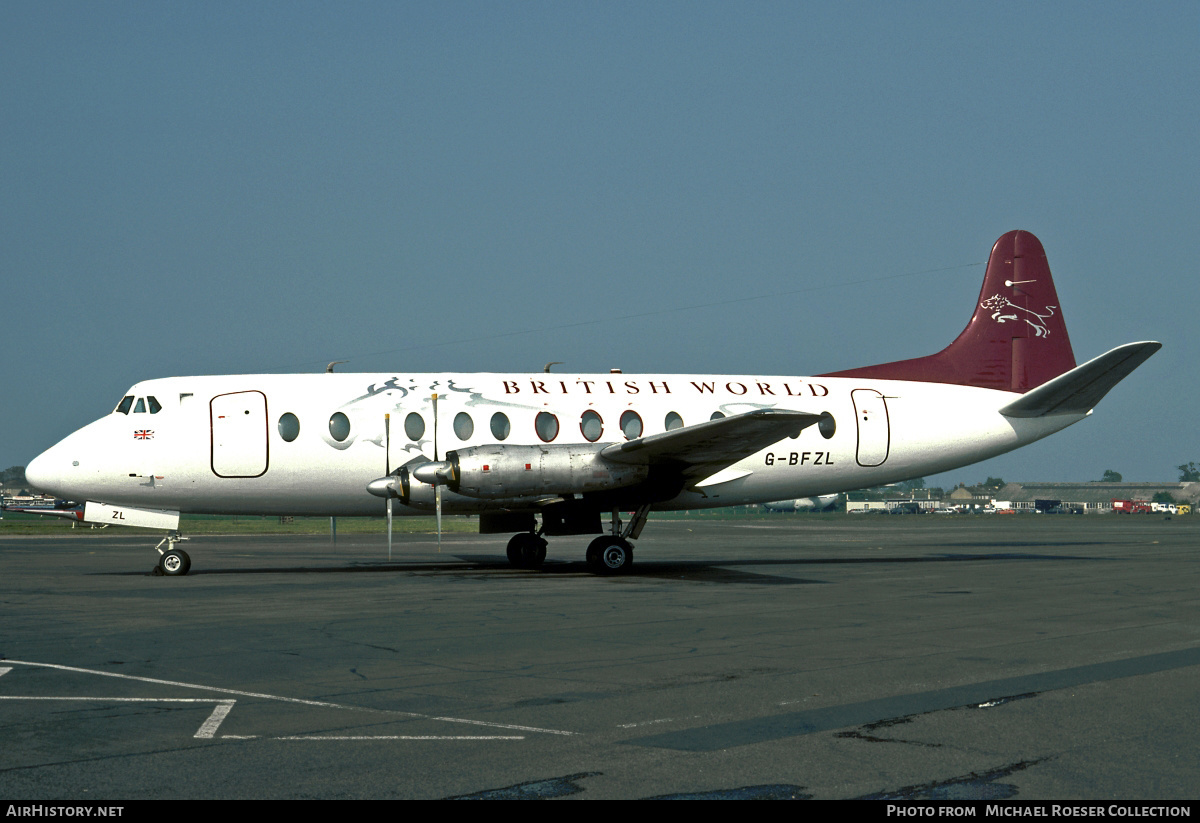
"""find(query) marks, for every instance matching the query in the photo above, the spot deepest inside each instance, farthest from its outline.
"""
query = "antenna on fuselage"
(329, 368)
(546, 368)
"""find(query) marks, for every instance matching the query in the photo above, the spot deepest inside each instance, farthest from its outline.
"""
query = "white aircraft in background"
(544, 455)
(816, 503)
(57, 508)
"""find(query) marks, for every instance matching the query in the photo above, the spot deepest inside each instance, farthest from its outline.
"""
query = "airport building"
(1081, 498)
(1093, 498)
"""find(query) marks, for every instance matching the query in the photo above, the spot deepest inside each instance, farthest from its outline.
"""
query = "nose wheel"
(173, 562)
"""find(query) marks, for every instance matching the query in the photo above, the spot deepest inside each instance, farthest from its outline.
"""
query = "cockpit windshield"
(143, 405)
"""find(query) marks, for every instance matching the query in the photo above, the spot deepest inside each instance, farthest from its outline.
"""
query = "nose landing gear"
(173, 562)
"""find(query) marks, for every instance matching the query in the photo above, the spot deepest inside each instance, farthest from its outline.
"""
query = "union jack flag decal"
(143, 434)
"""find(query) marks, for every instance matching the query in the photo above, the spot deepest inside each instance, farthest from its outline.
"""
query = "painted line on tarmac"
(207, 729)
(297, 700)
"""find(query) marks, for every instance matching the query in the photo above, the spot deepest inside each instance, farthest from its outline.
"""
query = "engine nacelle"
(415, 494)
(501, 471)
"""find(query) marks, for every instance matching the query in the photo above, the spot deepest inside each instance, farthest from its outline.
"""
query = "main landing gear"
(527, 550)
(173, 562)
(608, 554)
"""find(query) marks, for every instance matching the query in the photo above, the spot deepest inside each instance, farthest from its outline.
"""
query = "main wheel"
(609, 555)
(175, 563)
(526, 551)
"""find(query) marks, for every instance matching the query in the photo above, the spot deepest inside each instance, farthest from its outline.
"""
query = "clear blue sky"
(217, 187)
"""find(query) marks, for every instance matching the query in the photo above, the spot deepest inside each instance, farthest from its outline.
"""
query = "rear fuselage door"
(239, 434)
(874, 431)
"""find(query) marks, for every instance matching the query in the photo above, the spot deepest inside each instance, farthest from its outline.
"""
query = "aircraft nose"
(42, 473)
(57, 470)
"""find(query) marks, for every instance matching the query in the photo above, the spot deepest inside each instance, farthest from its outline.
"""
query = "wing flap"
(705, 448)
(1080, 389)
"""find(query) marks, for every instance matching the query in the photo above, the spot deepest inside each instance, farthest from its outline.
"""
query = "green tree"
(1111, 476)
(1189, 473)
(993, 483)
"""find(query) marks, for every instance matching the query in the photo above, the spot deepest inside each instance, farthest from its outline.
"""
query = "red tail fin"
(1016, 339)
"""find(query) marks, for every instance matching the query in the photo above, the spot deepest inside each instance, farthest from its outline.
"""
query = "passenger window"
(126, 404)
(414, 426)
(339, 426)
(289, 427)
(500, 426)
(155, 407)
(140, 408)
(631, 425)
(464, 426)
(673, 421)
(546, 426)
(591, 425)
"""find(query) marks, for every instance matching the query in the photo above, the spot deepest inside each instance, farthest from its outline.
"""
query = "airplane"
(549, 454)
(59, 508)
(816, 503)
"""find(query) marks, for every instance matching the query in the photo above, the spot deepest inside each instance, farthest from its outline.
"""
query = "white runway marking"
(207, 729)
(180, 684)
(220, 712)
(261, 696)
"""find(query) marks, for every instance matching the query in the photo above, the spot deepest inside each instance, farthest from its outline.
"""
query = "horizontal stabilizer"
(1079, 390)
(708, 447)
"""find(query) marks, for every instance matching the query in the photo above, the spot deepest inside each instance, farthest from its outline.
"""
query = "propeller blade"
(435, 421)
(437, 488)
(387, 465)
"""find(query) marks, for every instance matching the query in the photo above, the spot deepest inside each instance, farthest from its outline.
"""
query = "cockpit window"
(140, 408)
(155, 406)
(125, 405)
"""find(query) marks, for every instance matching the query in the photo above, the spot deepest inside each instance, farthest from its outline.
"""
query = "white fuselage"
(310, 444)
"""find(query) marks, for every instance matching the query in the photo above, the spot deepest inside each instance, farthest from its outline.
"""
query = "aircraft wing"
(705, 448)
(1080, 389)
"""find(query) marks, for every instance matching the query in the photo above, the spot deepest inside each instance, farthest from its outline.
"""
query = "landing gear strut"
(173, 562)
(609, 554)
(613, 553)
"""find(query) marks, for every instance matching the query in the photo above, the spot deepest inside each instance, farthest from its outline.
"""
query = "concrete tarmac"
(921, 656)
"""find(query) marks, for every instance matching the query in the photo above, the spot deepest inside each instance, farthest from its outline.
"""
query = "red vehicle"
(1131, 506)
